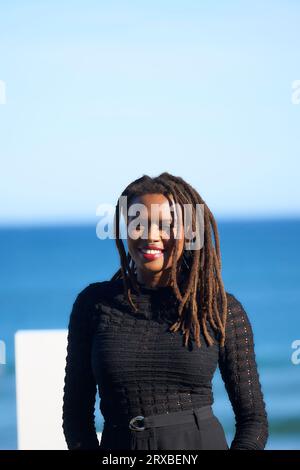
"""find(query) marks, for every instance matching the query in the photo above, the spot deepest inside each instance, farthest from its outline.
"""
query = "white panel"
(40, 369)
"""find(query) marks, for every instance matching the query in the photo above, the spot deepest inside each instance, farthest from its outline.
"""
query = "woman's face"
(155, 230)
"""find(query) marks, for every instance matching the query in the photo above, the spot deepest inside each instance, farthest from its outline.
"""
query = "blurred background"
(95, 94)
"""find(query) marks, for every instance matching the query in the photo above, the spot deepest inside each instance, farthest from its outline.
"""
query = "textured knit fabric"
(141, 368)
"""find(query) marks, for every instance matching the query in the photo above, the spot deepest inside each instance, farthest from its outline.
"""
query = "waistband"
(140, 423)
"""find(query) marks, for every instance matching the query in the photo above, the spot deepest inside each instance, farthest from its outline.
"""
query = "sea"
(42, 269)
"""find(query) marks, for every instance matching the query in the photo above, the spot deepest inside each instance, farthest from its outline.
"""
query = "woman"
(152, 337)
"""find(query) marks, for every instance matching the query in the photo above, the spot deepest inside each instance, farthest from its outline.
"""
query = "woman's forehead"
(148, 212)
(154, 204)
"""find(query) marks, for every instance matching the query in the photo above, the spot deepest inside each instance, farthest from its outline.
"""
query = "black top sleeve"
(79, 384)
(237, 363)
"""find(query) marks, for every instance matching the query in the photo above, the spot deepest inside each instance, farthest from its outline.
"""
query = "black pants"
(169, 432)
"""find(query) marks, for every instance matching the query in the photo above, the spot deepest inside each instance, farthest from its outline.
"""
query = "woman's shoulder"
(237, 316)
(99, 291)
(234, 303)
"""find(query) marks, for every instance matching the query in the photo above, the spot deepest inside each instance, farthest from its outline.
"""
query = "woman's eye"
(162, 226)
(140, 226)
(166, 225)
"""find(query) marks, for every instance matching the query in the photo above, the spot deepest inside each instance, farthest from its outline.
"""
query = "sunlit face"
(152, 265)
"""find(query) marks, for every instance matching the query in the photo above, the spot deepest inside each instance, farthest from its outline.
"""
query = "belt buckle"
(133, 426)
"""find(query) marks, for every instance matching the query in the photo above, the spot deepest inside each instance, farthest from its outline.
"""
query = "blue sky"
(100, 93)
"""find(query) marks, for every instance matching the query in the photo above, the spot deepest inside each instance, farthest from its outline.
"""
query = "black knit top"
(141, 368)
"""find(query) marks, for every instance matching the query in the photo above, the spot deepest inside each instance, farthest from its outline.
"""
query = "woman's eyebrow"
(166, 219)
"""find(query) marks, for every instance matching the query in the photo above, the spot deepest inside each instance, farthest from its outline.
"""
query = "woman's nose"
(153, 233)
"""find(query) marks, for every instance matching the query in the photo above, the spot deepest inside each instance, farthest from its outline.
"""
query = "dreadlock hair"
(204, 297)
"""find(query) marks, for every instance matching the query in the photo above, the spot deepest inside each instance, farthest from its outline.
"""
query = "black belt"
(140, 423)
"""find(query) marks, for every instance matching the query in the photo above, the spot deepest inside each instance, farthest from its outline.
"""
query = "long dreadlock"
(204, 298)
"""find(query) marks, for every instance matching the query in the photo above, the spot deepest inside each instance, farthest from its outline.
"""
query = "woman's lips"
(152, 256)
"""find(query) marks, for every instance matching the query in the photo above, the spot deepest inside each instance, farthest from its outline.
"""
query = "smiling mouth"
(151, 254)
(151, 250)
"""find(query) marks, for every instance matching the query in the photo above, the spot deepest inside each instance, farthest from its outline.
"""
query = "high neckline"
(155, 289)
(158, 303)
